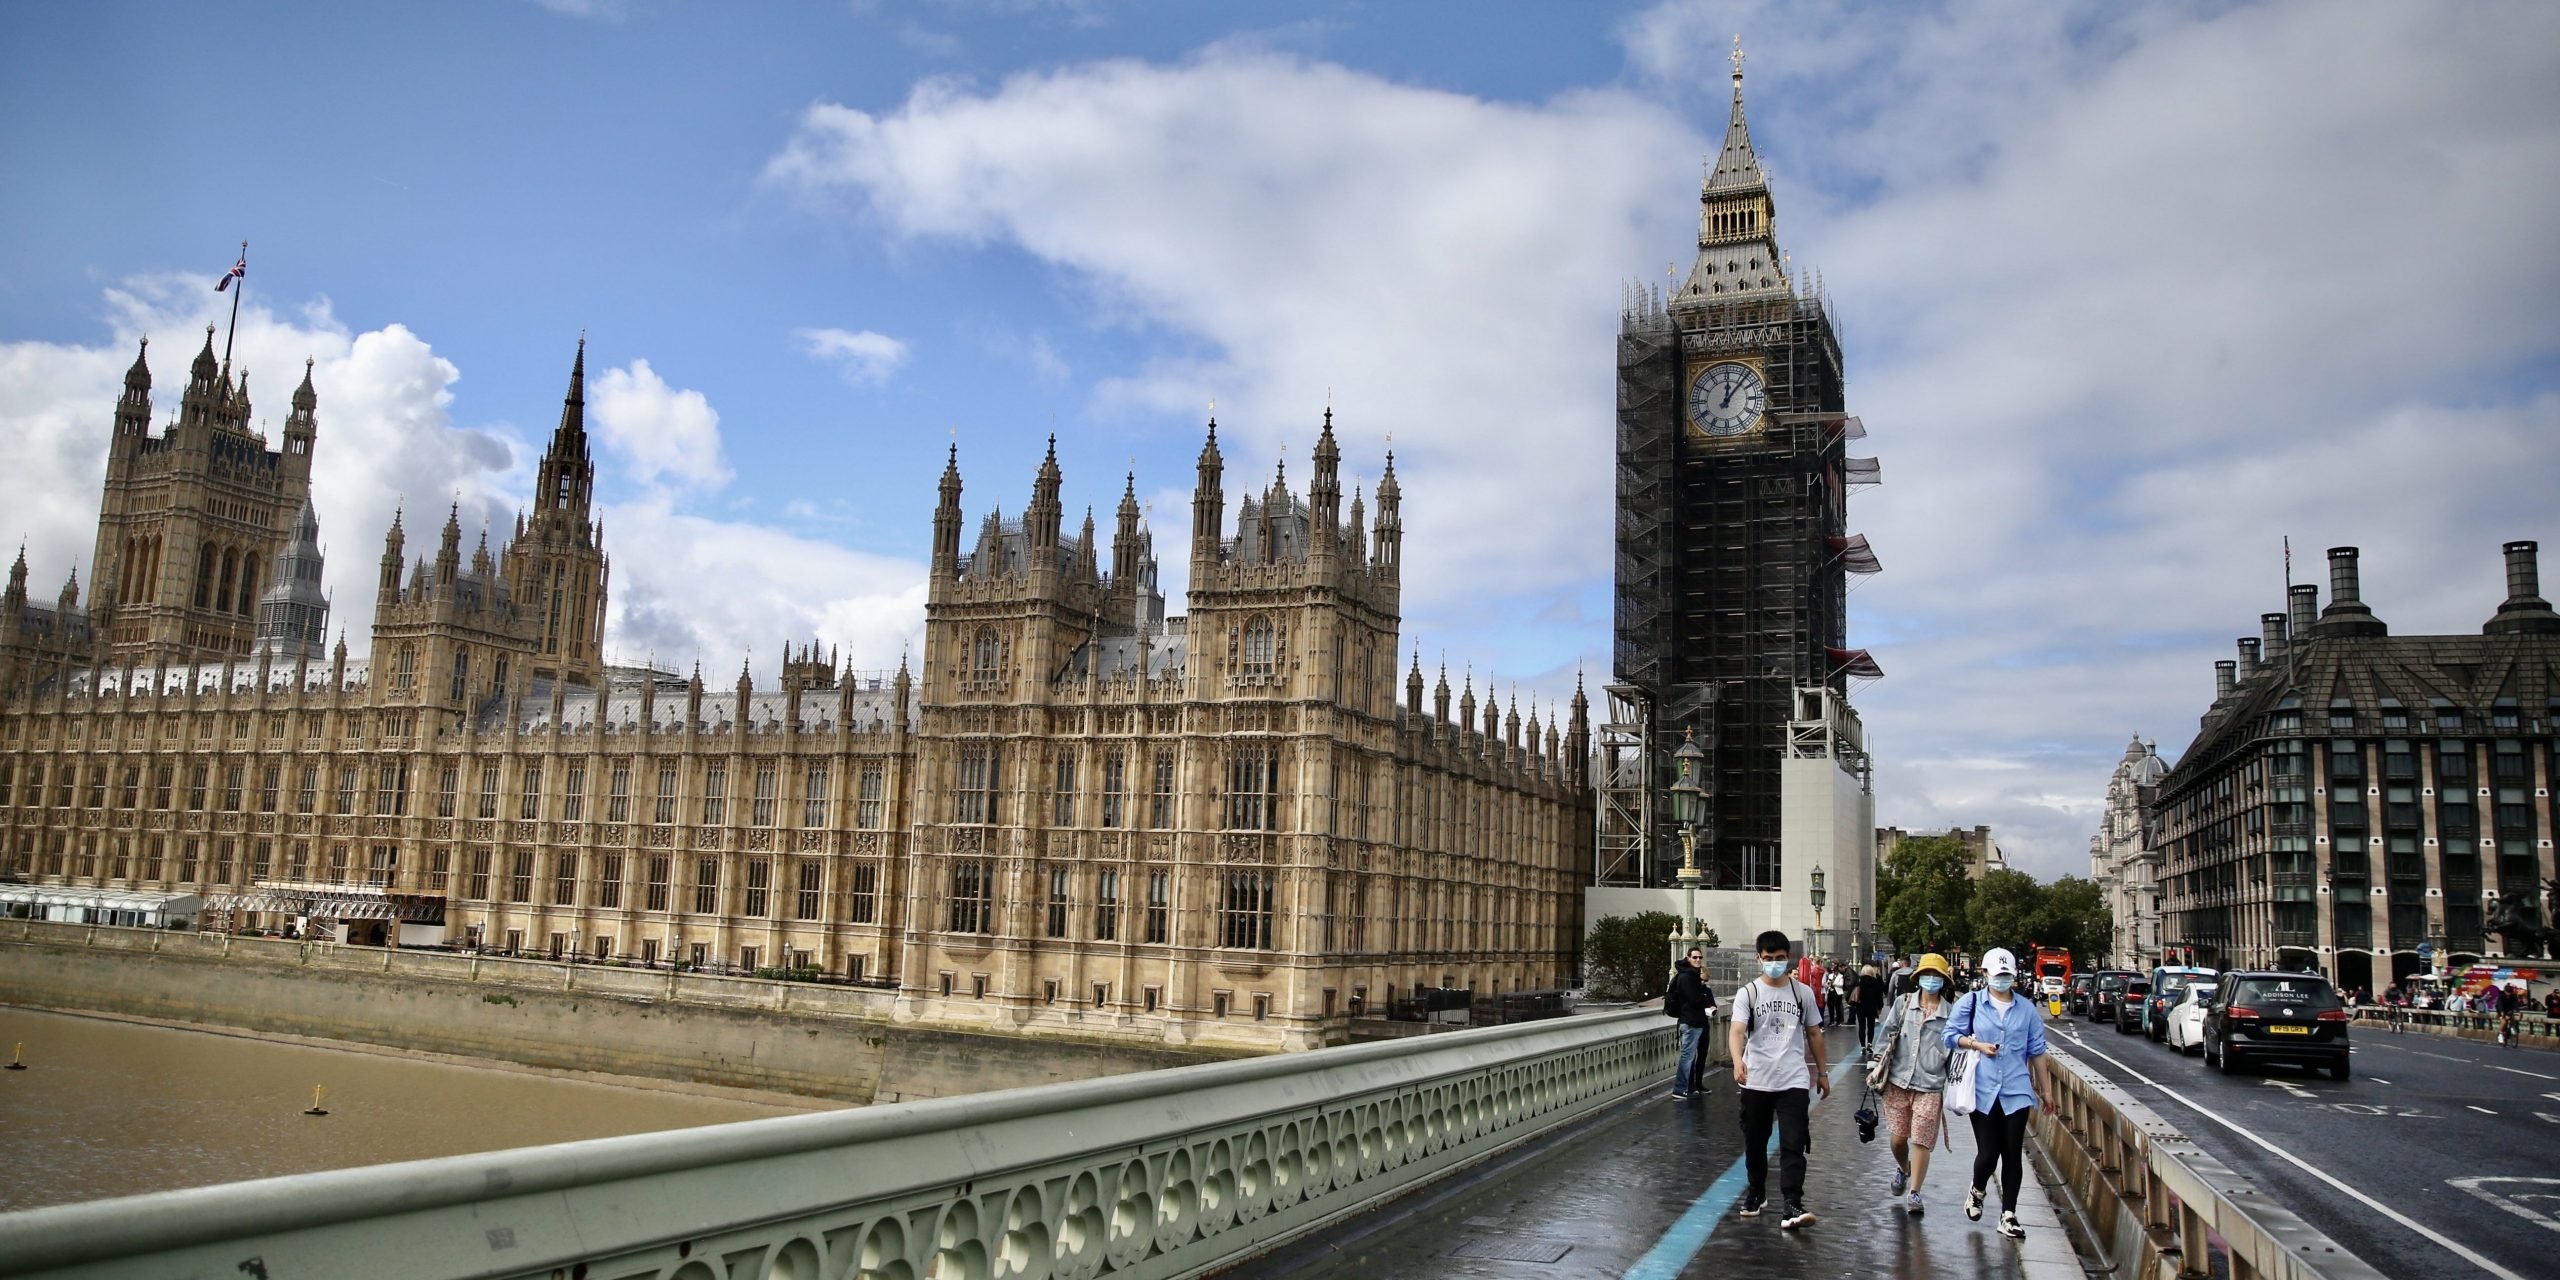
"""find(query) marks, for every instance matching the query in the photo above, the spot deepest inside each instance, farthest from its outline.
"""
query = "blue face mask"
(2003, 981)
(1932, 982)
(1775, 968)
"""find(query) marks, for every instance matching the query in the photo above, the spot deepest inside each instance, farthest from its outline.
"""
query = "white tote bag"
(1957, 1100)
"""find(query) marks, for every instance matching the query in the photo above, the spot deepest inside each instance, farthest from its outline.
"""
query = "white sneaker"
(2009, 1226)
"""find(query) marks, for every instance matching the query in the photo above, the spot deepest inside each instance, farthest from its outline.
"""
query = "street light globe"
(1687, 795)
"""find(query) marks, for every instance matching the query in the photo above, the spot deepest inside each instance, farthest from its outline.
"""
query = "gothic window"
(812, 877)
(529, 802)
(564, 879)
(617, 798)
(863, 906)
(665, 813)
(198, 776)
(270, 781)
(1253, 787)
(1065, 815)
(715, 795)
(234, 779)
(248, 585)
(391, 788)
(404, 669)
(706, 886)
(488, 792)
(204, 574)
(986, 653)
(573, 795)
(1057, 921)
(1244, 916)
(461, 674)
(1160, 805)
(867, 810)
(161, 779)
(1115, 783)
(1106, 906)
(609, 881)
(1258, 647)
(981, 765)
(759, 883)
(972, 895)
(813, 798)
(346, 789)
(1159, 906)
(762, 813)
(660, 873)
(520, 877)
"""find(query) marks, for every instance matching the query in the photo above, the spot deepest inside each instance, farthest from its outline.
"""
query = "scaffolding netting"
(1857, 664)
(1855, 555)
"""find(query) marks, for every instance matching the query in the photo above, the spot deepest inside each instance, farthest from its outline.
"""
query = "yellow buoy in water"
(315, 1109)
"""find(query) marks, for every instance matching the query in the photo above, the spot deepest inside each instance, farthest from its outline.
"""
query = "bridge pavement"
(1648, 1191)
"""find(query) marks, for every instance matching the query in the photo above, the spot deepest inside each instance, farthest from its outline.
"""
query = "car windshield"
(2137, 987)
(2111, 982)
(2309, 995)
(2173, 983)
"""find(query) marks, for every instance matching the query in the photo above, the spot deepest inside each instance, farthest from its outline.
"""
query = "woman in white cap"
(2011, 1080)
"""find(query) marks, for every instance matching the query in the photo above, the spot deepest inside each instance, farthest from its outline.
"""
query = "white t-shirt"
(1773, 1053)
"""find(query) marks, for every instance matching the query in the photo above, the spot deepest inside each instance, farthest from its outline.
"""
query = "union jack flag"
(238, 269)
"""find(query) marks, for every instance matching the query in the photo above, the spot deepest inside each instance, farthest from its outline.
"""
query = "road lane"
(2447, 1135)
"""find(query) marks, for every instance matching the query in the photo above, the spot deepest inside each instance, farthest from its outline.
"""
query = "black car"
(2104, 993)
(2128, 1005)
(2268, 1016)
(2076, 997)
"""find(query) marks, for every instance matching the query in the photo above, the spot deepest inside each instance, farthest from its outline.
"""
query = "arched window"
(248, 586)
(1258, 647)
(986, 654)
(204, 574)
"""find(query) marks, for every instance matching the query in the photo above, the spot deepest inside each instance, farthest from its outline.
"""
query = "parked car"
(2268, 1016)
(2183, 1028)
(2108, 989)
(2167, 982)
(2129, 1005)
(2077, 1000)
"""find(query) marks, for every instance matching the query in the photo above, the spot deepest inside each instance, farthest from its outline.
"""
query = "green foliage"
(2074, 914)
(2004, 911)
(1926, 877)
(1630, 956)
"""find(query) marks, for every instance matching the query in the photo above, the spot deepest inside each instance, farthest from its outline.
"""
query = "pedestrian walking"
(1694, 1002)
(2011, 1080)
(1911, 1069)
(1778, 1068)
(1867, 1001)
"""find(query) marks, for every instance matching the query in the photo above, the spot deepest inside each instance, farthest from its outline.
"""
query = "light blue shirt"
(2002, 1081)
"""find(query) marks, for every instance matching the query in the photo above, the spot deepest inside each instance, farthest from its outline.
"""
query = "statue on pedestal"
(2521, 923)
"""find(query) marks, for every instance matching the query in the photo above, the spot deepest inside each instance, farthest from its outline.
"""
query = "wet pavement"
(1648, 1190)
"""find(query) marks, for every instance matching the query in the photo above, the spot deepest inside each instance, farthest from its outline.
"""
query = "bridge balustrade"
(1159, 1174)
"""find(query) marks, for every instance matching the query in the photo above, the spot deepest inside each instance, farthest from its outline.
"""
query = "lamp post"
(1688, 804)
(1857, 935)
(1818, 896)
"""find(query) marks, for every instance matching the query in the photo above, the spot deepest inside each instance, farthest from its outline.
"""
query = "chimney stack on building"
(2525, 611)
(2347, 614)
(2271, 638)
(2248, 658)
(2304, 601)
(2223, 681)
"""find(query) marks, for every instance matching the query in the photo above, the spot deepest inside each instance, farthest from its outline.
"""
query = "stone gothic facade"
(1080, 816)
(2123, 862)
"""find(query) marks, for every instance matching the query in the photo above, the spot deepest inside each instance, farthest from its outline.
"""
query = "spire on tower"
(1737, 167)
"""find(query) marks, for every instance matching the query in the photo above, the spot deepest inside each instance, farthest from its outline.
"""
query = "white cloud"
(660, 432)
(2127, 295)
(863, 358)
(601, 10)
(686, 586)
(385, 434)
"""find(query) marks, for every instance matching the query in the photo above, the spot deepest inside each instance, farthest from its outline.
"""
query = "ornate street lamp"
(1688, 808)
(1815, 944)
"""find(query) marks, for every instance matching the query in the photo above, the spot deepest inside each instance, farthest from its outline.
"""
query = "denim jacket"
(2003, 1081)
(1920, 1052)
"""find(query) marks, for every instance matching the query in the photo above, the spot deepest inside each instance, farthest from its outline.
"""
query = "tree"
(1630, 956)
(1925, 878)
(2006, 908)
(2074, 914)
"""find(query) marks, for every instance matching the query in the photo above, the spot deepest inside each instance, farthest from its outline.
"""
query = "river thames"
(111, 1108)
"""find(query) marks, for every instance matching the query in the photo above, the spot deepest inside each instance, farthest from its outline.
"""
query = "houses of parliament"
(1076, 814)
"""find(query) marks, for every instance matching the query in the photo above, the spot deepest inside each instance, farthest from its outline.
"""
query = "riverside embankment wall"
(817, 1041)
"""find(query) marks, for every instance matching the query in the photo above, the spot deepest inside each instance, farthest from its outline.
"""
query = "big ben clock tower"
(1731, 533)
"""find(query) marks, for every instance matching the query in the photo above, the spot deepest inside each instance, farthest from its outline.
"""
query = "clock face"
(1726, 399)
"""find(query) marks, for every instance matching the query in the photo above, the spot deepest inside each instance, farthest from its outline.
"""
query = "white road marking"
(2375, 1079)
(2421, 1053)
(2457, 1247)
(2495, 1067)
(2545, 1115)
(2473, 1186)
(2482, 1110)
(2288, 1086)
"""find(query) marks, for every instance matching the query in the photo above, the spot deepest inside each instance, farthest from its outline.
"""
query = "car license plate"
(2289, 1031)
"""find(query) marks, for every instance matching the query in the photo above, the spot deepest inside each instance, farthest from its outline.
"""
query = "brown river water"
(110, 1108)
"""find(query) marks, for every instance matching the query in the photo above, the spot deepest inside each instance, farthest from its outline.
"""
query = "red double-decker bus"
(2053, 971)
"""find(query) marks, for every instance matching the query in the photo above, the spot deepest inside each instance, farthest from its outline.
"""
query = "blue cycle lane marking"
(1672, 1253)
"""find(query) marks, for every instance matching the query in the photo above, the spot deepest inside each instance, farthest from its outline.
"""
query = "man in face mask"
(1778, 1065)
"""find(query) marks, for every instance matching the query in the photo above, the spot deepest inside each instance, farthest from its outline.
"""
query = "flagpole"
(240, 286)
(2292, 642)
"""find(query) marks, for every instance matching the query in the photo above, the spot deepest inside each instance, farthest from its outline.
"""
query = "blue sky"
(2128, 294)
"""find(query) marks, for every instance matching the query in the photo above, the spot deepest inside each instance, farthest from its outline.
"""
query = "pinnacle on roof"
(138, 377)
(1737, 167)
(572, 433)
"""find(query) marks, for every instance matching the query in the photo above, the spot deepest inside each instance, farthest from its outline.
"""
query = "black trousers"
(2000, 1136)
(1866, 1026)
(1787, 1109)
